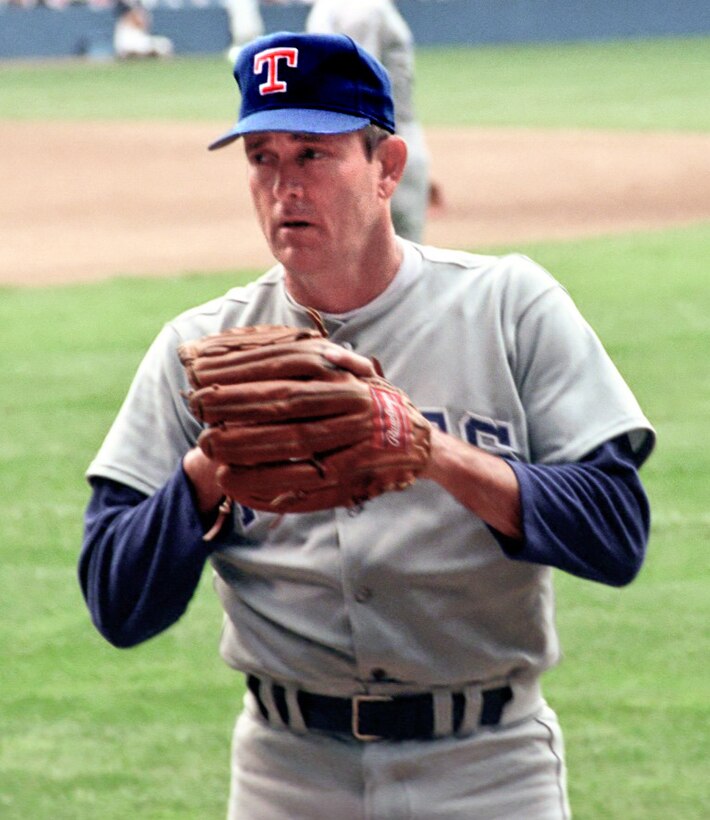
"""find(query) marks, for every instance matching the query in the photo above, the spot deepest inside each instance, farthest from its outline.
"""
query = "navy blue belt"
(378, 717)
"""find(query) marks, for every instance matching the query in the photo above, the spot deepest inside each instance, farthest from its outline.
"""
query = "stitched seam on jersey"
(514, 356)
(560, 766)
(553, 287)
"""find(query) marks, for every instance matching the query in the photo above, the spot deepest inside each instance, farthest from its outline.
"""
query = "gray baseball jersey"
(380, 29)
(412, 587)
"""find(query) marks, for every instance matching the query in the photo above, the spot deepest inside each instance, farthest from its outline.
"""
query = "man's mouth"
(295, 223)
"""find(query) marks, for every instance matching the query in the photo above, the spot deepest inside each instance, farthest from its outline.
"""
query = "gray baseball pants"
(511, 772)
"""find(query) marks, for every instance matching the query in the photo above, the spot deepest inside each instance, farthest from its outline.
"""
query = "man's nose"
(288, 183)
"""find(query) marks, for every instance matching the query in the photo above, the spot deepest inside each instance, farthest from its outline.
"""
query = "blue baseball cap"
(311, 84)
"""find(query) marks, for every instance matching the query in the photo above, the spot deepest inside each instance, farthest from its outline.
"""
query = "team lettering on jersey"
(270, 58)
(491, 435)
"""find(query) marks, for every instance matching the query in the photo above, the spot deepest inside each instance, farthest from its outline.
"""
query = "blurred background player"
(379, 28)
(245, 24)
(132, 33)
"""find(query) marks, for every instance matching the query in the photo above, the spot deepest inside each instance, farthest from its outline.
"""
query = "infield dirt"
(82, 201)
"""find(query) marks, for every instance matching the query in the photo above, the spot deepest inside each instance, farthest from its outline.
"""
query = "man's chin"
(288, 257)
(296, 255)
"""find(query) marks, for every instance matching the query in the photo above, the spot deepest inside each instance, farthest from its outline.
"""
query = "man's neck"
(349, 283)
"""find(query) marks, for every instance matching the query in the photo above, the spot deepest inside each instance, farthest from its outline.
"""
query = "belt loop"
(254, 686)
(295, 716)
(471, 711)
(443, 704)
(266, 693)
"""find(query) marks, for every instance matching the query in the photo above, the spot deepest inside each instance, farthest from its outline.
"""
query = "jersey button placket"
(359, 597)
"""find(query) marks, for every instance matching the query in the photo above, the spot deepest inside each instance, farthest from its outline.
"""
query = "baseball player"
(394, 649)
(132, 33)
(245, 24)
(379, 28)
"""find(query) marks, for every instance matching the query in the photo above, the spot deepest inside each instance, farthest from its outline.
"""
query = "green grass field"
(92, 732)
(638, 84)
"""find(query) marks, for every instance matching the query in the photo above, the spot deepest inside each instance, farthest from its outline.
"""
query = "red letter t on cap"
(270, 57)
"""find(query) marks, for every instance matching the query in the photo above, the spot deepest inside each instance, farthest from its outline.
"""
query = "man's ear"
(392, 156)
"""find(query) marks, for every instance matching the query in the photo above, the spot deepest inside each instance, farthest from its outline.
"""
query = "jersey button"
(363, 594)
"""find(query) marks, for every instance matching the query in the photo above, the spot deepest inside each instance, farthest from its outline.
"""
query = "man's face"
(316, 196)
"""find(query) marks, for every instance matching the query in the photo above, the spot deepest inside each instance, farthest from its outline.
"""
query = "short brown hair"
(372, 136)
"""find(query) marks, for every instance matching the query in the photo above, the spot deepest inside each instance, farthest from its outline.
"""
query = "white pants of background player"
(511, 772)
(411, 197)
(129, 41)
(245, 24)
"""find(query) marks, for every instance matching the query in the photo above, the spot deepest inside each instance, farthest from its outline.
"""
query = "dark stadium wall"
(79, 29)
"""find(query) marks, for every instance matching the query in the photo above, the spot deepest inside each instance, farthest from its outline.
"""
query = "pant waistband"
(420, 716)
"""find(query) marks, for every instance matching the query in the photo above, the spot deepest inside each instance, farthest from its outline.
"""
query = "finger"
(348, 360)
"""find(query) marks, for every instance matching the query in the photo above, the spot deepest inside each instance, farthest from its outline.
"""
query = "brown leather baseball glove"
(293, 432)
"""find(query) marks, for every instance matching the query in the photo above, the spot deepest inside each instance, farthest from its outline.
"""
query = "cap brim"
(295, 120)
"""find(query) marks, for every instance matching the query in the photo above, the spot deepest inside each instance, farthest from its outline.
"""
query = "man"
(393, 651)
(245, 24)
(131, 33)
(381, 30)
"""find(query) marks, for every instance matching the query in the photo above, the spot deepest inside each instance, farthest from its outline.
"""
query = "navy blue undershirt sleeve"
(590, 518)
(142, 557)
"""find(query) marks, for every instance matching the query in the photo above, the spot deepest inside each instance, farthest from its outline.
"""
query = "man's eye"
(309, 153)
(258, 158)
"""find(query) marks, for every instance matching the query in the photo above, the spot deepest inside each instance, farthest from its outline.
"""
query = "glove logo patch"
(391, 421)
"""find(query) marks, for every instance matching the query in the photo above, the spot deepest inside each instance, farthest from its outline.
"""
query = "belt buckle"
(356, 701)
